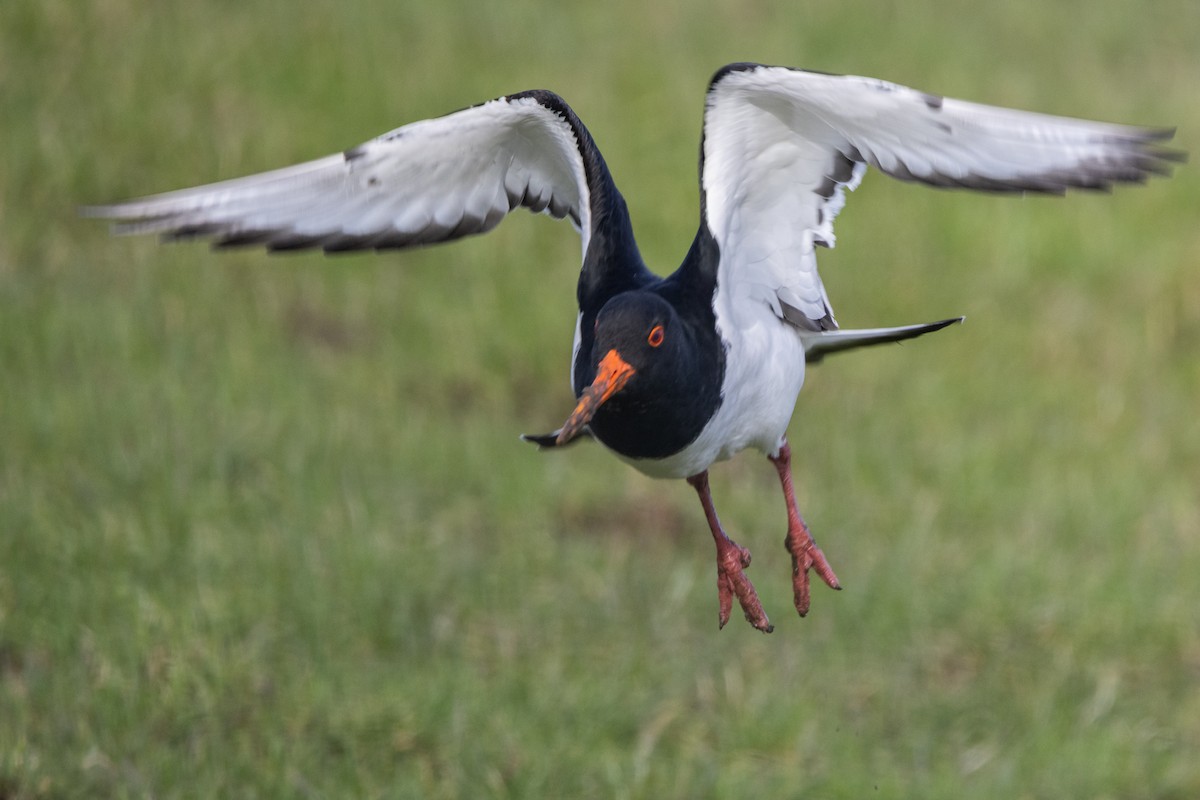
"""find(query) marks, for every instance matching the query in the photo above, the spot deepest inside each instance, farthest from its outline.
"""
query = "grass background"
(266, 528)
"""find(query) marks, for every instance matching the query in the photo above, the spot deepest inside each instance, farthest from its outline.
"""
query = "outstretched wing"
(430, 181)
(782, 145)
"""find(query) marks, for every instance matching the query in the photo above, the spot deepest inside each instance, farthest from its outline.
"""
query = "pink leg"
(799, 542)
(732, 559)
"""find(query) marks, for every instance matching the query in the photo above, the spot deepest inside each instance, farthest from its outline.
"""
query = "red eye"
(656, 336)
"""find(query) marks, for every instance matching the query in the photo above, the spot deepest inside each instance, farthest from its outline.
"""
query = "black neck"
(662, 415)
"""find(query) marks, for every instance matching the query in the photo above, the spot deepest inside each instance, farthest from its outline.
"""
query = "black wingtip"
(542, 440)
(937, 326)
(547, 441)
(819, 346)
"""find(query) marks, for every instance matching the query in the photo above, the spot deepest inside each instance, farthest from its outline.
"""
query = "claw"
(732, 559)
(805, 556)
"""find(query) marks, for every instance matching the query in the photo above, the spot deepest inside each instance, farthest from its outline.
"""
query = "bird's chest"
(763, 372)
(764, 375)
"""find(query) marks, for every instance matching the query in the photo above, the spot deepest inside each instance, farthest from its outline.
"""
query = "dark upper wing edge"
(166, 215)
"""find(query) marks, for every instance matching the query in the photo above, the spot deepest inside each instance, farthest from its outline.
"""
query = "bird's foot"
(732, 560)
(805, 556)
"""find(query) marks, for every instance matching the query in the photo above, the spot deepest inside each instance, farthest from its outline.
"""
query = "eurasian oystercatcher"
(673, 374)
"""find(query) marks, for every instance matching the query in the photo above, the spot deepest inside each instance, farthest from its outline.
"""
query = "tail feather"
(819, 344)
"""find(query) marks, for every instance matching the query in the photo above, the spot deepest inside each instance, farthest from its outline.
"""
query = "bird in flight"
(673, 374)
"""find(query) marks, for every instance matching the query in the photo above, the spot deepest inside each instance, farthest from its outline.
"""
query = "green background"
(266, 529)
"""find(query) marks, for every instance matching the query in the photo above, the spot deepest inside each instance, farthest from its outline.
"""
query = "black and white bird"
(673, 374)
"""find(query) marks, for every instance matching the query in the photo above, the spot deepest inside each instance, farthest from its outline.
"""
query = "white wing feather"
(429, 181)
(782, 145)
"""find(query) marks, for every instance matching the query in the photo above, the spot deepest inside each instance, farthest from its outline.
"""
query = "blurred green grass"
(266, 528)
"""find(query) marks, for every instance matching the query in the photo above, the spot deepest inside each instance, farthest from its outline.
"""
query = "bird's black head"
(639, 378)
(641, 327)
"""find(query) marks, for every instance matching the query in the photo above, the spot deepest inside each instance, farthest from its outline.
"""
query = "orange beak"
(611, 376)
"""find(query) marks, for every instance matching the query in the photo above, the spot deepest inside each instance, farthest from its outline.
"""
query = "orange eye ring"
(657, 334)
